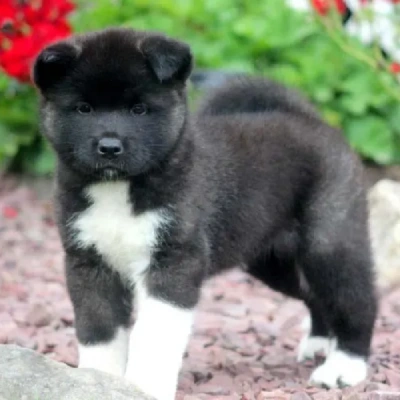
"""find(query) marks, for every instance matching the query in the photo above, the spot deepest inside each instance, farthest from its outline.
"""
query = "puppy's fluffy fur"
(254, 178)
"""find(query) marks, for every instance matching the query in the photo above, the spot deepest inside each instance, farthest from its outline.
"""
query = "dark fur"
(255, 178)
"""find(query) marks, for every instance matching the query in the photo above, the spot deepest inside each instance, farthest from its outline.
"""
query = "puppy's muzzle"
(109, 147)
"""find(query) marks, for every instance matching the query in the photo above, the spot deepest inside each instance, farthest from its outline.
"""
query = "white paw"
(157, 344)
(108, 357)
(340, 369)
(311, 345)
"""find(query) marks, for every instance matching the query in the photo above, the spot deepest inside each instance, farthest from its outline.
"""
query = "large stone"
(27, 375)
(384, 200)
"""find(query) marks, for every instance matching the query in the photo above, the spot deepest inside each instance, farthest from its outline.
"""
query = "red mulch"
(245, 338)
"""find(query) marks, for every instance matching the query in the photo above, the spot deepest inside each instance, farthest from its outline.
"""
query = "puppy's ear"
(53, 64)
(168, 58)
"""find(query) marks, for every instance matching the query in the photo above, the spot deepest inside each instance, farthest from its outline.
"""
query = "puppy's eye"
(139, 109)
(84, 108)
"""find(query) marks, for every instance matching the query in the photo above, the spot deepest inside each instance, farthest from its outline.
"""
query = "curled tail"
(242, 94)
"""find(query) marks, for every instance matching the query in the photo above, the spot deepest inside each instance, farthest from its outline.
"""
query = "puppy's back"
(254, 95)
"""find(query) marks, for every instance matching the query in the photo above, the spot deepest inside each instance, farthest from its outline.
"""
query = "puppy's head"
(113, 102)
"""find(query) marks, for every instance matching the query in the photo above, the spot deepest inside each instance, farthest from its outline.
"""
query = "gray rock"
(27, 375)
(384, 201)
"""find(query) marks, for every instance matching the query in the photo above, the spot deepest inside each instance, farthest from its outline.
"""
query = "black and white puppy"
(151, 202)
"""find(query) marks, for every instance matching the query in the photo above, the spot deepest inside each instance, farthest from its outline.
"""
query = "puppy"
(151, 202)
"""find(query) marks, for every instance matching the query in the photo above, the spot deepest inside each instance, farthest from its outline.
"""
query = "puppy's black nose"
(110, 147)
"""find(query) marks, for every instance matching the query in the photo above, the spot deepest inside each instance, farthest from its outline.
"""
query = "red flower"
(324, 6)
(7, 12)
(49, 10)
(26, 27)
(395, 68)
(17, 61)
(9, 19)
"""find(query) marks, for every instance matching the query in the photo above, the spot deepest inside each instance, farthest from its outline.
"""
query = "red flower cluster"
(26, 26)
(324, 6)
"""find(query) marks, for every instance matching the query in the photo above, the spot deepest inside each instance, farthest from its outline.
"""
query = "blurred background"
(343, 55)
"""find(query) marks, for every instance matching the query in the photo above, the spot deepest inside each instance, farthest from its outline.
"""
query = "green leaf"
(372, 137)
(44, 163)
(394, 119)
(355, 105)
(9, 142)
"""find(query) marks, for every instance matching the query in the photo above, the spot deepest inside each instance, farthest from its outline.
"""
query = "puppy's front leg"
(102, 306)
(165, 310)
(157, 345)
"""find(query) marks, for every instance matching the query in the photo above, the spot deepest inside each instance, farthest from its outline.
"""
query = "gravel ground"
(245, 337)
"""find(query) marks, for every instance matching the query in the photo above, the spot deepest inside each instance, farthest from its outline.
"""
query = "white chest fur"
(124, 239)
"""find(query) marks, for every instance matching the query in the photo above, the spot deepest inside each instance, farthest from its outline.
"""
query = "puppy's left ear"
(53, 64)
(168, 58)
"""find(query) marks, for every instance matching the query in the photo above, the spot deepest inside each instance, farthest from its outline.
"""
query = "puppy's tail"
(242, 94)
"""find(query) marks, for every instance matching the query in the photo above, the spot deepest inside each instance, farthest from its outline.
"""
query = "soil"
(245, 336)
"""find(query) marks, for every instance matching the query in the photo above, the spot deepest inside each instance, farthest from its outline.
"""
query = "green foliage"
(262, 37)
(18, 120)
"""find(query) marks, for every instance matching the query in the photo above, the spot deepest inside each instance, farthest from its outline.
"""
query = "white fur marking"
(311, 345)
(126, 242)
(157, 344)
(108, 357)
(340, 369)
(124, 239)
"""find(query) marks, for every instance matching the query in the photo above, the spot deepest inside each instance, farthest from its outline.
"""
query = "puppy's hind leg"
(340, 277)
(279, 270)
(318, 335)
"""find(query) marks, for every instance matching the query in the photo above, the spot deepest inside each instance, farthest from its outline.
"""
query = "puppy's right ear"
(53, 64)
(168, 58)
